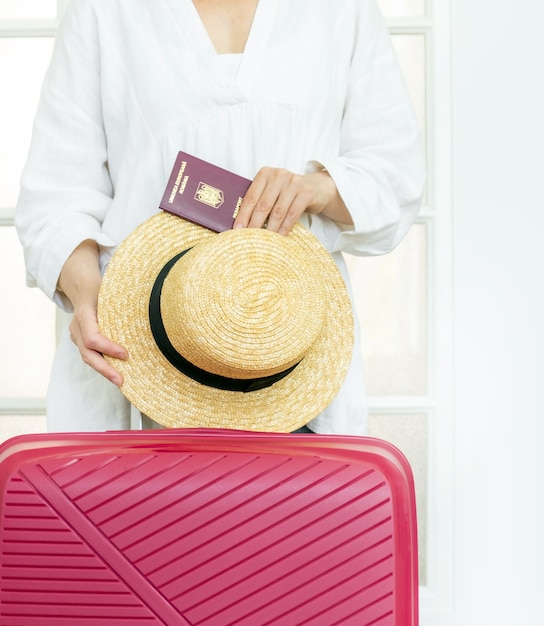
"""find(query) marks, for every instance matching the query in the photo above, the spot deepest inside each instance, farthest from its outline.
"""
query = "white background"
(497, 56)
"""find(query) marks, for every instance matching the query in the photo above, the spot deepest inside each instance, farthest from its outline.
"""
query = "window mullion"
(6, 217)
(28, 28)
(22, 406)
(409, 26)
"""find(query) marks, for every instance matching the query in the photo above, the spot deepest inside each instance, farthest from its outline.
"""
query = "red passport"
(204, 193)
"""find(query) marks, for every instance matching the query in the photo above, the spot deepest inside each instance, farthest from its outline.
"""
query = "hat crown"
(239, 306)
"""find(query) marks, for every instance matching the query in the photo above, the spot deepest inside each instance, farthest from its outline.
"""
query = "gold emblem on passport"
(209, 195)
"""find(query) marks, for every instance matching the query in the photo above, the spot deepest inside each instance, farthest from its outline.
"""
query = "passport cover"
(204, 193)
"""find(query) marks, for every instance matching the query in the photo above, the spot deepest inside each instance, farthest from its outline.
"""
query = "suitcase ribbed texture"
(200, 538)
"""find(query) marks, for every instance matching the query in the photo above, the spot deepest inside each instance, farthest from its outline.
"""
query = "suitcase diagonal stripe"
(36, 477)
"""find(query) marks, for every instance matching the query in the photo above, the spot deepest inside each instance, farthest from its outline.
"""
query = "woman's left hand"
(277, 198)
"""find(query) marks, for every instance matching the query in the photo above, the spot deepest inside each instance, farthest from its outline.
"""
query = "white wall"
(498, 212)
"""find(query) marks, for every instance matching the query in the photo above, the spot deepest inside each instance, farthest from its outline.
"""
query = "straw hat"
(245, 329)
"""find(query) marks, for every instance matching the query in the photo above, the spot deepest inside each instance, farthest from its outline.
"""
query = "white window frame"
(437, 595)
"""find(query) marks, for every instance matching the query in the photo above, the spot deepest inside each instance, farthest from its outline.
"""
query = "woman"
(304, 97)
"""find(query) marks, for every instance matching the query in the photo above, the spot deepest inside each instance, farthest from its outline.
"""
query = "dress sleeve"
(66, 189)
(380, 171)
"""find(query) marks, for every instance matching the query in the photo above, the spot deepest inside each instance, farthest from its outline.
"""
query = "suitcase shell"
(206, 528)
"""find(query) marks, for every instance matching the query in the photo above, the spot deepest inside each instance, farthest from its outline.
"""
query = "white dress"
(132, 82)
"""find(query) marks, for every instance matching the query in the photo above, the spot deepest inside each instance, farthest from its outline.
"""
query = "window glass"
(13, 425)
(410, 51)
(28, 9)
(23, 62)
(27, 326)
(391, 301)
(409, 434)
(402, 8)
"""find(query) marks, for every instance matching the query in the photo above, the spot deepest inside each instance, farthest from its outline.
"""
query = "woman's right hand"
(92, 345)
(80, 281)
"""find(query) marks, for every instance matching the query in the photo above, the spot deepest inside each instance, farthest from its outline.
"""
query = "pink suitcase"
(206, 528)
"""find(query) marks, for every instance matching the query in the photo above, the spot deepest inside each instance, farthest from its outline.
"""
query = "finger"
(285, 204)
(98, 343)
(98, 363)
(291, 217)
(249, 202)
(92, 345)
(262, 196)
(276, 196)
(261, 211)
(93, 339)
(92, 357)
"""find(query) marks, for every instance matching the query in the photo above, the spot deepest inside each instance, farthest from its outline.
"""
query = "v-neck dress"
(132, 82)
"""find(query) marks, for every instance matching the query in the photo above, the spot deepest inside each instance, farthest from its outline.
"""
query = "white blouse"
(132, 82)
(231, 64)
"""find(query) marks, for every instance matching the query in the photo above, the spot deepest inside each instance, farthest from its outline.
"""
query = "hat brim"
(173, 399)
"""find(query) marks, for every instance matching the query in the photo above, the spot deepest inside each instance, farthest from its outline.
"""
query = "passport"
(204, 193)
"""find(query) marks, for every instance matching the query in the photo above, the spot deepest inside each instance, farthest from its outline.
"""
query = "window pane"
(410, 50)
(13, 425)
(28, 9)
(391, 302)
(27, 326)
(402, 8)
(409, 434)
(23, 62)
